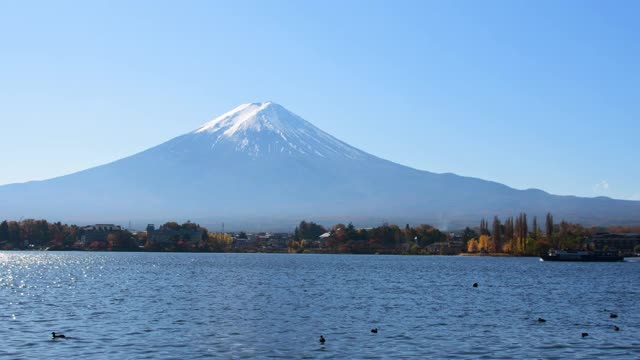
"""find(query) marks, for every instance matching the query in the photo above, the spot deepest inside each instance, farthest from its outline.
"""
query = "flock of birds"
(584, 334)
(540, 320)
(375, 330)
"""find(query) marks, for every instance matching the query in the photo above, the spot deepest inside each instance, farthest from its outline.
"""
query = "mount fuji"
(259, 166)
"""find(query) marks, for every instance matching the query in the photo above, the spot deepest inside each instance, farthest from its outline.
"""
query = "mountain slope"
(260, 165)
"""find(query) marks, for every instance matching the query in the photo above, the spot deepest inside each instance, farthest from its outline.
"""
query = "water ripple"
(247, 306)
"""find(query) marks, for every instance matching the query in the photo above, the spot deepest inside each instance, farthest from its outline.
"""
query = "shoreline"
(262, 252)
(495, 255)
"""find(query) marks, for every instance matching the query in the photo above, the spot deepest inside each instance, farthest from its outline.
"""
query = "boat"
(582, 255)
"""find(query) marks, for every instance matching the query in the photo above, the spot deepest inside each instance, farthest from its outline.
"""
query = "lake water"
(237, 306)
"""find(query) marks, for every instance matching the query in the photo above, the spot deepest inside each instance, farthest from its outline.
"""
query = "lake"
(245, 306)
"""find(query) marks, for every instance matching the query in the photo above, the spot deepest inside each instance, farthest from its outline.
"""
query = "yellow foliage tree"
(484, 243)
(217, 242)
(472, 246)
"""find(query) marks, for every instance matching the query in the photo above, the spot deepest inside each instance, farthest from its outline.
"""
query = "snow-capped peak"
(266, 127)
(243, 117)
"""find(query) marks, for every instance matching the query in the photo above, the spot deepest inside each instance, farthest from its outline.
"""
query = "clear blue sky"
(532, 94)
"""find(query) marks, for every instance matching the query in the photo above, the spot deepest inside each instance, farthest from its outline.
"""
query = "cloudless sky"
(532, 94)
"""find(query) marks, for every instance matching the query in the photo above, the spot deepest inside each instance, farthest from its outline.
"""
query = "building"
(173, 236)
(446, 247)
(242, 243)
(98, 233)
(624, 243)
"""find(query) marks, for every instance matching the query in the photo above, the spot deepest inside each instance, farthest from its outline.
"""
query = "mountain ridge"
(260, 160)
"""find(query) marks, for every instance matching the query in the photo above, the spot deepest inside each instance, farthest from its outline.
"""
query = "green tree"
(484, 227)
(311, 230)
(171, 225)
(536, 230)
(4, 232)
(15, 233)
(122, 241)
(468, 234)
(549, 226)
(496, 244)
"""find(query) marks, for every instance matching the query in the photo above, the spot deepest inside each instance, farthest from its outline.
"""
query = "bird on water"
(613, 316)
(374, 330)
(56, 336)
(322, 340)
(616, 328)
(585, 334)
(475, 284)
(541, 320)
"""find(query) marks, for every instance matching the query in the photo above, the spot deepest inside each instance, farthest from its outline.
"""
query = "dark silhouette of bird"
(585, 334)
(374, 330)
(541, 320)
(475, 284)
(56, 336)
(613, 316)
(616, 328)
(322, 340)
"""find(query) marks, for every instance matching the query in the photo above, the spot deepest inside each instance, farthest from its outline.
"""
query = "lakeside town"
(512, 236)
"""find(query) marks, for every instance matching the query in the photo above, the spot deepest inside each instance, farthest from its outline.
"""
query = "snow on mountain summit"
(259, 128)
(246, 116)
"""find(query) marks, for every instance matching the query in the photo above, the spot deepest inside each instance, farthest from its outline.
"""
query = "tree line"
(384, 239)
(42, 235)
(518, 236)
(37, 233)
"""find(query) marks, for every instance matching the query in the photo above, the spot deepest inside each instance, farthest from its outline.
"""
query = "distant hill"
(260, 166)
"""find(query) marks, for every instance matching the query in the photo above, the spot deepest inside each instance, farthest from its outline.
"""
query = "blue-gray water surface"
(245, 306)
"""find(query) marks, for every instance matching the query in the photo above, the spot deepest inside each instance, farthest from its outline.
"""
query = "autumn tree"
(521, 232)
(216, 242)
(112, 239)
(484, 242)
(36, 232)
(472, 246)
(508, 237)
